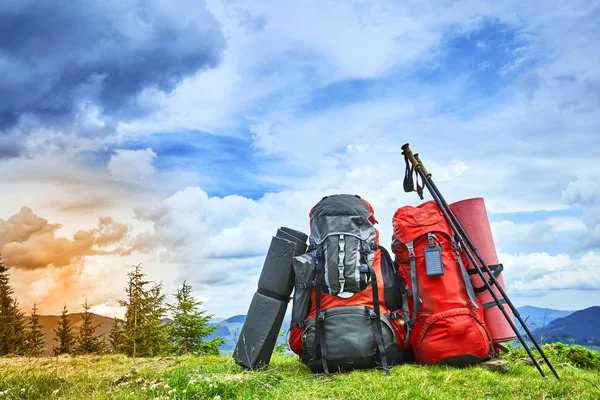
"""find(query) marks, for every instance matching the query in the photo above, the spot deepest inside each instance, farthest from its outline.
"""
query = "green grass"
(94, 377)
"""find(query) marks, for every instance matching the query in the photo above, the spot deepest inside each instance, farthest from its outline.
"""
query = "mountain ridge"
(582, 327)
(229, 328)
(49, 322)
(549, 324)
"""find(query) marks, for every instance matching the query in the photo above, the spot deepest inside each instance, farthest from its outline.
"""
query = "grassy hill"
(50, 322)
(189, 377)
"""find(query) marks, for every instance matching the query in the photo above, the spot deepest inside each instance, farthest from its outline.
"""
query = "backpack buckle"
(411, 249)
(306, 285)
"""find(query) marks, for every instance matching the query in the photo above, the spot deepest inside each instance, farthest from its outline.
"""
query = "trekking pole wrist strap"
(414, 160)
(410, 156)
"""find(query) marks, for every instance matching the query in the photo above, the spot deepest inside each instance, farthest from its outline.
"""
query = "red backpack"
(347, 310)
(446, 323)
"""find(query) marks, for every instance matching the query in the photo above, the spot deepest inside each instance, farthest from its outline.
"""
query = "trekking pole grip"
(409, 155)
(427, 174)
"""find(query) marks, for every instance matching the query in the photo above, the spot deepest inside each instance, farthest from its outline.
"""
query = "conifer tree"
(154, 331)
(133, 310)
(36, 342)
(12, 325)
(64, 335)
(103, 347)
(87, 341)
(190, 325)
(117, 336)
(145, 335)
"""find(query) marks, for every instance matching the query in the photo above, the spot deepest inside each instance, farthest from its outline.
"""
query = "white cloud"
(584, 193)
(528, 274)
(218, 244)
(511, 235)
(516, 148)
(133, 166)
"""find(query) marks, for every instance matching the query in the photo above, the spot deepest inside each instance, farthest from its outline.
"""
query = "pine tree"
(12, 325)
(87, 341)
(117, 336)
(133, 311)
(145, 335)
(64, 335)
(154, 331)
(190, 325)
(36, 342)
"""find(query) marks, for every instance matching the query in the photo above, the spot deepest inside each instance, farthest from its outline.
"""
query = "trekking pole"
(470, 246)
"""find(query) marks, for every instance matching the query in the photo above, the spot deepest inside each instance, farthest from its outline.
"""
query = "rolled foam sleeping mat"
(277, 275)
(298, 238)
(259, 334)
(292, 232)
(473, 217)
(261, 328)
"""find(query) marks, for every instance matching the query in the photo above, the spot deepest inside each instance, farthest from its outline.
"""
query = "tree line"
(145, 331)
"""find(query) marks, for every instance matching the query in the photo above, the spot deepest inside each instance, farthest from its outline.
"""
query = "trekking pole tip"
(427, 174)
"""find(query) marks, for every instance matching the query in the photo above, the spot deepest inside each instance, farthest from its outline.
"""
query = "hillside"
(49, 322)
(580, 327)
(230, 328)
(538, 317)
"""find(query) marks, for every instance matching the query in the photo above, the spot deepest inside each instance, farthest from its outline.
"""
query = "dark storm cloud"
(57, 56)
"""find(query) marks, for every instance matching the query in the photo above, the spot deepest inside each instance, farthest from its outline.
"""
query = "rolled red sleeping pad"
(473, 217)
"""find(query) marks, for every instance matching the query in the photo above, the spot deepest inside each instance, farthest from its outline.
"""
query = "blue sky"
(200, 128)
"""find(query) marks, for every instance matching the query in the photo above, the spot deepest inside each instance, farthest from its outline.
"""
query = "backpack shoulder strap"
(376, 321)
(415, 283)
(320, 348)
(465, 274)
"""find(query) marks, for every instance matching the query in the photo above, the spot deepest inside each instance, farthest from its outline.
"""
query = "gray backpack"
(351, 325)
(342, 232)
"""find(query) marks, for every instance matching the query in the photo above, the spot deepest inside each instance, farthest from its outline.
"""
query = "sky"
(181, 135)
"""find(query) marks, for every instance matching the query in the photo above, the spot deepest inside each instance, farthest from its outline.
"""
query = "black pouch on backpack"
(304, 266)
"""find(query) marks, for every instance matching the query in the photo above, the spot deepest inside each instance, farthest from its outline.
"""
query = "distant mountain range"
(536, 318)
(50, 322)
(553, 325)
(582, 327)
(229, 329)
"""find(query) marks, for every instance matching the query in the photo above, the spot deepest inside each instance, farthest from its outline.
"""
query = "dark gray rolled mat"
(277, 275)
(259, 334)
(297, 234)
(284, 235)
(299, 239)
